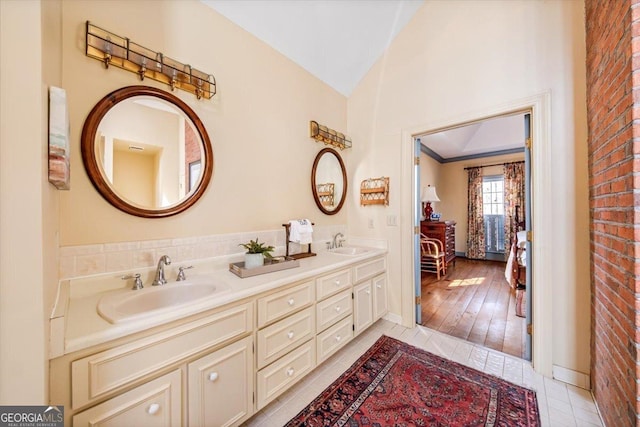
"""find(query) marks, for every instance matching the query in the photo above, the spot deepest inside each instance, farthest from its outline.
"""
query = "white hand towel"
(300, 231)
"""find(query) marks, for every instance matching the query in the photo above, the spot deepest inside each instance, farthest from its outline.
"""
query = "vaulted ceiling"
(338, 41)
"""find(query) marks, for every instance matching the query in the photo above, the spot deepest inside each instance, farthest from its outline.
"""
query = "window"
(493, 209)
(493, 195)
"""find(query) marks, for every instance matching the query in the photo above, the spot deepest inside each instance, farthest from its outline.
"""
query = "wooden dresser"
(445, 231)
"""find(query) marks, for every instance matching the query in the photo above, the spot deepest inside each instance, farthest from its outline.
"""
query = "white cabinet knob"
(368, 292)
(290, 372)
(290, 334)
(337, 282)
(338, 338)
(337, 309)
(213, 376)
(379, 286)
(291, 301)
(153, 409)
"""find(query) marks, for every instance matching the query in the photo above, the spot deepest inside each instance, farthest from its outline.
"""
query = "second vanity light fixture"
(121, 52)
(322, 133)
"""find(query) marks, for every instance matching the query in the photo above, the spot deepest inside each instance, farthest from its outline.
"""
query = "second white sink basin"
(153, 300)
(350, 250)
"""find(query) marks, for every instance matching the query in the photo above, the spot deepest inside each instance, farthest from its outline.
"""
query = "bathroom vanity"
(215, 361)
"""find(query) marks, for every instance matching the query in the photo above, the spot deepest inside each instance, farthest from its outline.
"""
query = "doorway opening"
(485, 294)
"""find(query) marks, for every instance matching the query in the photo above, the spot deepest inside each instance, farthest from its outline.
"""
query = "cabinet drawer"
(102, 373)
(369, 269)
(279, 338)
(156, 403)
(279, 376)
(283, 303)
(334, 338)
(333, 283)
(333, 309)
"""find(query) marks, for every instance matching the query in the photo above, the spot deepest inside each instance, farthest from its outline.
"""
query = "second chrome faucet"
(160, 279)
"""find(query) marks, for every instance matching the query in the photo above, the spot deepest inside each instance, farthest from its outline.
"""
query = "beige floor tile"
(559, 404)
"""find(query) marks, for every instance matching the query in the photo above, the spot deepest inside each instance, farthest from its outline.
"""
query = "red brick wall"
(612, 87)
(191, 150)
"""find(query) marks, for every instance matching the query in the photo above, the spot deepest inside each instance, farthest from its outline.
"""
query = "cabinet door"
(362, 307)
(221, 386)
(156, 403)
(379, 296)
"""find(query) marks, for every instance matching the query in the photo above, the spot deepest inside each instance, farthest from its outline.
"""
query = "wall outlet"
(370, 222)
(392, 220)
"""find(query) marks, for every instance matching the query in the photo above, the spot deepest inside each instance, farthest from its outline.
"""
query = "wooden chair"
(432, 256)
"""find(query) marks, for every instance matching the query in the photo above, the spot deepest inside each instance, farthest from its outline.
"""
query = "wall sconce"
(329, 136)
(121, 52)
(429, 195)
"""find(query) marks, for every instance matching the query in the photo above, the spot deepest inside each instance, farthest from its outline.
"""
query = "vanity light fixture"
(121, 52)
(328, 136)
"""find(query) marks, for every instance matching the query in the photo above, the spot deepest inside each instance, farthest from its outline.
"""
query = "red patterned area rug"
(396, 384)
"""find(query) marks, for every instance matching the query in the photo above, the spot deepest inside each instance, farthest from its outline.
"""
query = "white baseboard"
(392, 317)
(572, 377)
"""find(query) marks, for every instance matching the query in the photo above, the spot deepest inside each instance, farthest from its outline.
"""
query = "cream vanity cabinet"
(218, 367)
(369, 293)
(285, 347)
(199, 373)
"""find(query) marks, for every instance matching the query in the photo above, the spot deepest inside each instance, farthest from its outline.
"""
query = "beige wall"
(464, 58)
(26, 228)
(258, 122)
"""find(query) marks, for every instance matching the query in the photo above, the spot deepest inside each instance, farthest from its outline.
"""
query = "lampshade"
(429, 194)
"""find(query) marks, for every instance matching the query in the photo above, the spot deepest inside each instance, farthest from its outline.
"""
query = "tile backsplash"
(87, 260)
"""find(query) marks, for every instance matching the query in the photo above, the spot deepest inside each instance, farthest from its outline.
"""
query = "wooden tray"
(270, 265)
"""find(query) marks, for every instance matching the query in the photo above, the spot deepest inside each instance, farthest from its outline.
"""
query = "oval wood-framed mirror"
(146, 152)
(329, 181)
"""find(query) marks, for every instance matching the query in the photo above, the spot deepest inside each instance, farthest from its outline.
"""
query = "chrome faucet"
(160, 280)
(337, 243)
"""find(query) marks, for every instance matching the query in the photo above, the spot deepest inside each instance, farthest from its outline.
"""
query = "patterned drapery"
(475, 216)
(513, 196)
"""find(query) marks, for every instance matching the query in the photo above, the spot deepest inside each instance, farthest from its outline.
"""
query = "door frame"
(539, 107)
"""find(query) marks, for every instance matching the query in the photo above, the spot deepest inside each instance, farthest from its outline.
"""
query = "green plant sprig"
(254, 247)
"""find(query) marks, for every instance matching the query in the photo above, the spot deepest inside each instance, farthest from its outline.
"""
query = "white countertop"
(76, 324)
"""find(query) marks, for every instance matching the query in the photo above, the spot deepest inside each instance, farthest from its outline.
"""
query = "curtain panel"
(475, 216)
(513, 196)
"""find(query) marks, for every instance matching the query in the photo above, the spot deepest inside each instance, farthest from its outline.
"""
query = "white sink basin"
(124, 306)
(350, 250)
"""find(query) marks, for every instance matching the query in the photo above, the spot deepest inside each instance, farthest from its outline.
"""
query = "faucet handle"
(181, 275)
(137, 282)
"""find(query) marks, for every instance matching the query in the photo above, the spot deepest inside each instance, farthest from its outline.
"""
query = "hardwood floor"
(474, 302)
